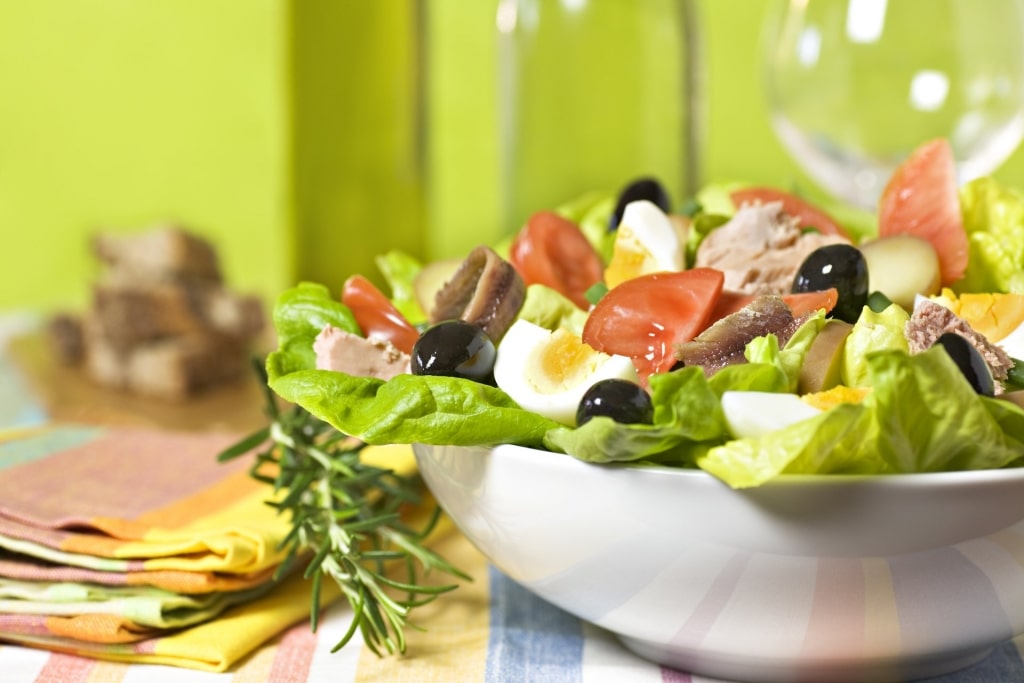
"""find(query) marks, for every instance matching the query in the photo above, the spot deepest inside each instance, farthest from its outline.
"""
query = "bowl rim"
(898, 479)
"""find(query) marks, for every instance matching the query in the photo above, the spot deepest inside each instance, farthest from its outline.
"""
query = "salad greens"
(993, 218)
(921, 415)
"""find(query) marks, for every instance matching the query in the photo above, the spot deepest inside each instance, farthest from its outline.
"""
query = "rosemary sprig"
(345, 514)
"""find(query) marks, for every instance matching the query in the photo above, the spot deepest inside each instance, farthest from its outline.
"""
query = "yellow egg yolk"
(629, 258)
(993, 315)
(564, 361)
(830, 398)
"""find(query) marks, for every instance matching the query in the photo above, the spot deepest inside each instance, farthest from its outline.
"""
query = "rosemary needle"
(346, 516)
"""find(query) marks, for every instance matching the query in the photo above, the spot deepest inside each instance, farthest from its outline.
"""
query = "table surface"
(490, 629)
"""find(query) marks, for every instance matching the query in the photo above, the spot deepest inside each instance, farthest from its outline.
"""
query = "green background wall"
(301, 136)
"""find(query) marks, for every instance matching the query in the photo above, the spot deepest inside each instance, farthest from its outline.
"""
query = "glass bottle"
(593, 94)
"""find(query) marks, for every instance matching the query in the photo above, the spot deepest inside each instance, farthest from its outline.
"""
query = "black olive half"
(642, 188)
(841, 266)
(970, 362)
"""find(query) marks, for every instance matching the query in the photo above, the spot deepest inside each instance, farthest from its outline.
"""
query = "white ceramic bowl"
(811, 578)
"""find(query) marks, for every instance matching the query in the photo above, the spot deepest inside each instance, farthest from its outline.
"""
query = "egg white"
(519, 372)
(756, 413)
(645, 242)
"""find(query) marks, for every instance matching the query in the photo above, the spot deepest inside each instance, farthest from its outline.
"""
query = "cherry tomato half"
(551, 250)
(644, 318)
(376, 315)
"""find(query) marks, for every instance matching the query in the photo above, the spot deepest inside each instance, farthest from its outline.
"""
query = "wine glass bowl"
(853, 86)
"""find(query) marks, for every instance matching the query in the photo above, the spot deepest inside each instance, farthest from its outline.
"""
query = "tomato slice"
(644, 318)
(800, 303)
(551, 250)
(376, 315)
(921, 199)
(808, 214)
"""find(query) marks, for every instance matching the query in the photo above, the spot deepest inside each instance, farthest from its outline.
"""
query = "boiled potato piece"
(824, 361)
(901, 267)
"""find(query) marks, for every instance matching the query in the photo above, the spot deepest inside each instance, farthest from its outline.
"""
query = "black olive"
(642, 188)
(970, 362)
(454, 348)
(841, 266)
(619, 399)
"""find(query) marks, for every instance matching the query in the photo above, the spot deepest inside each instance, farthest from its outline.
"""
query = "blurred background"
(302, 137)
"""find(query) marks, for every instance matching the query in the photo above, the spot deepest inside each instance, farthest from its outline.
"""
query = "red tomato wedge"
(921, 199)
(551, 250)
(809, 215)
(644, 318)
(376, 315)
(800, 303)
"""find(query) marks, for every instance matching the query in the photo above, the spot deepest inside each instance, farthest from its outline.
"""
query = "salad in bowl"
(751, 338)
(742, 435)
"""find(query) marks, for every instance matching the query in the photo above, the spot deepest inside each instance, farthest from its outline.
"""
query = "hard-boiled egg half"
(645, 242)
(756, 413)
(1000, 317)
(548, 372)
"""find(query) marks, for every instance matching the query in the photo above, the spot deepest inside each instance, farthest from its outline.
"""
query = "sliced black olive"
(841, 266)
(642, 188)
(970, 362)
(621, 400)
(454, 348)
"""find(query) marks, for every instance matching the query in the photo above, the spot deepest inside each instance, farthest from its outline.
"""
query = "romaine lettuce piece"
(551, 310)
(872, 332)
(994, 220)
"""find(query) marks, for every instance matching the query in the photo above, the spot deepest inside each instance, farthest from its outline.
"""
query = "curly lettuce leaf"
(993, 217)
(872, 332)
(551, 310)
(790, 358)
(921, 416)
(831, 443)
(929, 419)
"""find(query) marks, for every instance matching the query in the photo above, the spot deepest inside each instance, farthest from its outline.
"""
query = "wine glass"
(853, 86)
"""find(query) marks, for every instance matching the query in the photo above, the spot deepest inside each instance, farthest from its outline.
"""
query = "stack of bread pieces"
(161, 322)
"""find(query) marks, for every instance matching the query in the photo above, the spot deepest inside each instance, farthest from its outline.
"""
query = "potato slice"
(821, 368)
(901, 267)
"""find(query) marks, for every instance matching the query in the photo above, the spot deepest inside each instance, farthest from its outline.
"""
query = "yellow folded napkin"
(135, 507)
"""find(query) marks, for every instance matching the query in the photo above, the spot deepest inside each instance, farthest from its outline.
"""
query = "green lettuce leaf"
(551, 310)
(406, 409)
(929, 419)
(299, 315)
(591, 213)
(688, 418)
(791, 358)
(872, 332)
(834, 442)
(399, 270)
(413, 409)
(921, 416)
(993, 217)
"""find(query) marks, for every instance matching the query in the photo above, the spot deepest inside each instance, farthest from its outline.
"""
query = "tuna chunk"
(351, 354)
(760, 249)
(931, 320)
